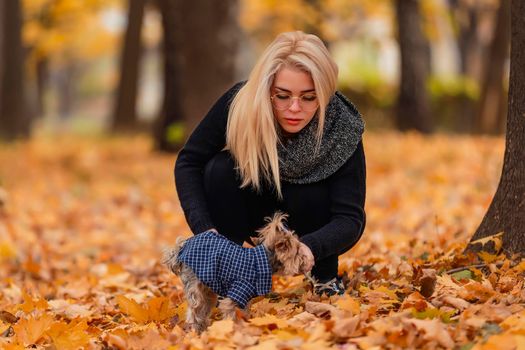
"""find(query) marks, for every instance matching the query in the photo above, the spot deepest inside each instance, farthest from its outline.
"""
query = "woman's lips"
(292, 121)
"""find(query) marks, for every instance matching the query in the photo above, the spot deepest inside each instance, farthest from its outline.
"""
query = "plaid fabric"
(227, 268)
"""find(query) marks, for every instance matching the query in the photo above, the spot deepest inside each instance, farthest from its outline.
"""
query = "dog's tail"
(170, 258)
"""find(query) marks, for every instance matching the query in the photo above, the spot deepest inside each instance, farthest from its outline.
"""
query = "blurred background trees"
(156, 66)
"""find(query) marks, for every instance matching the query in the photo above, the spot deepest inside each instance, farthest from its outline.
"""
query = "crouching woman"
(283, 140)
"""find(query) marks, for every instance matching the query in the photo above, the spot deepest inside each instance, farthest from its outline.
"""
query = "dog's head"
(285, 254)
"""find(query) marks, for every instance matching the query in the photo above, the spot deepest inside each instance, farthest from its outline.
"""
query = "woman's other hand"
(308, 258)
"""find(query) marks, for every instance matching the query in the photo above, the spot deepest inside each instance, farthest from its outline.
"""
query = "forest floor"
(84, 221)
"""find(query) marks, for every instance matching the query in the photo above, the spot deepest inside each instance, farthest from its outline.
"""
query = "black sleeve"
(208, 138)
(347, 195)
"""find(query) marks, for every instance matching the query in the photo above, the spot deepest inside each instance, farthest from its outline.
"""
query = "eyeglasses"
(283, 101)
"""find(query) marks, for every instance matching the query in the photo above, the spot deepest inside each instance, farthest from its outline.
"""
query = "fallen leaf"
(29, 330)
(269, 320)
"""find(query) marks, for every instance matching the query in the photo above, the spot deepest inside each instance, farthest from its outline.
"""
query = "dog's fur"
(285, 258)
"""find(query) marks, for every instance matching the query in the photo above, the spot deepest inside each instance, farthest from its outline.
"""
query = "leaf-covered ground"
(83, 223)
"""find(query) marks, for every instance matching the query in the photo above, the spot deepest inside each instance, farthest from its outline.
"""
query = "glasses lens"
(308, 102)
(283, 102)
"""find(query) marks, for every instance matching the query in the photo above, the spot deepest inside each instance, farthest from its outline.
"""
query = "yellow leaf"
(348, 303)
(159, 309)
(7, 251)
(30, 305)
(487, 257)
(269, 320)
(181, 310)
(29, 330)
(133, 309)
(497, 341)
(4, 326)
(497, 238)
(520, 267)
(69, 336)
(221, 330)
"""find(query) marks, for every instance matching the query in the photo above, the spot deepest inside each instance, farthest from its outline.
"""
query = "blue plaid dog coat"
(226, 268)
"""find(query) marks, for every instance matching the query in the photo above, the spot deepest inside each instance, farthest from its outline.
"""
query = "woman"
(283, 140)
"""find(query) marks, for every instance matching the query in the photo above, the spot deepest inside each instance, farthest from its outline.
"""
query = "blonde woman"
(283, 140)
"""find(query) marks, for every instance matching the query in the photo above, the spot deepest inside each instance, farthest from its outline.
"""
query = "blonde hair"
(251, 135)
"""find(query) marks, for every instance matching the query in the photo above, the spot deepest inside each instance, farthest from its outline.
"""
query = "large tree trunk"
(125, 113)
(491, 106)
(14, 119)
(168, 132)
(201, 42)
(507, 211)
(413, 106)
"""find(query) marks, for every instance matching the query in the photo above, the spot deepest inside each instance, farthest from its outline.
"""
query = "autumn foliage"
(83, 224)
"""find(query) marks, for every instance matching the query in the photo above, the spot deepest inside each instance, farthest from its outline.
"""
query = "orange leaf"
(487, 257)
(69, 336)
(29, 304)
(133, 309)
(29, 330)
(159, 309)
(349, 304)
(269, 320)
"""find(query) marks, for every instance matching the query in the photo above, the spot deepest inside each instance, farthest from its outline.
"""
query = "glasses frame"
(291, 102)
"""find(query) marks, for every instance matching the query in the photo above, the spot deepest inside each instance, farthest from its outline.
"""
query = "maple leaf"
(220, 330)
(29, 330)
(348, 303)
(69, 336)
(151, 339)
(495, 239)
(132, 308)
(71, 311)
(434, 330)
(29, 304)
(157, 309)
(270, 321)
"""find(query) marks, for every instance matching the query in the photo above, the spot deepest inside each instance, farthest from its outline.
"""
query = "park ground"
(84, 221)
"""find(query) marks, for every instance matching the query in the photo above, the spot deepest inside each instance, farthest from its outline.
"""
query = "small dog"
(209, 265)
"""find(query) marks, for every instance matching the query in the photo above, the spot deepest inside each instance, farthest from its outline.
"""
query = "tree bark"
(14, 119)
(413, 106)
(201, 42)
(491, 106)
(125, 112)
(506, 213)
(171, 118)
(466, 22)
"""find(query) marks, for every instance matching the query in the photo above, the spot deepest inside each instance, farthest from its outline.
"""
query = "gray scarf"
(298, 161)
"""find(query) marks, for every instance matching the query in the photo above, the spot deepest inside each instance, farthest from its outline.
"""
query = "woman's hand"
(308, 258)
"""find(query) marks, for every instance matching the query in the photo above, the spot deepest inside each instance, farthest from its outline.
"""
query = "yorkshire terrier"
(209, 265)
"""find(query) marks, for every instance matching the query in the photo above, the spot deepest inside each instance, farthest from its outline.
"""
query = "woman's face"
(294, 87)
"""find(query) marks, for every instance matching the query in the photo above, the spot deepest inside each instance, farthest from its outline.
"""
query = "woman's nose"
(295, 107)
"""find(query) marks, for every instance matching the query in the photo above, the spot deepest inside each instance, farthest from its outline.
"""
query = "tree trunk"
(201, 41)
(125, 113)
(413, 106)
(168, 132)
(506, 213)
(66, 89)
(14, 119)
(466, 22)
(491, 105)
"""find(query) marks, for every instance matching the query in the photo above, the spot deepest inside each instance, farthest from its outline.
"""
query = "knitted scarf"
(298, 161)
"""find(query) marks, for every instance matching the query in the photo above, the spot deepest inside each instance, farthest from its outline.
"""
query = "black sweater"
(347, 185)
